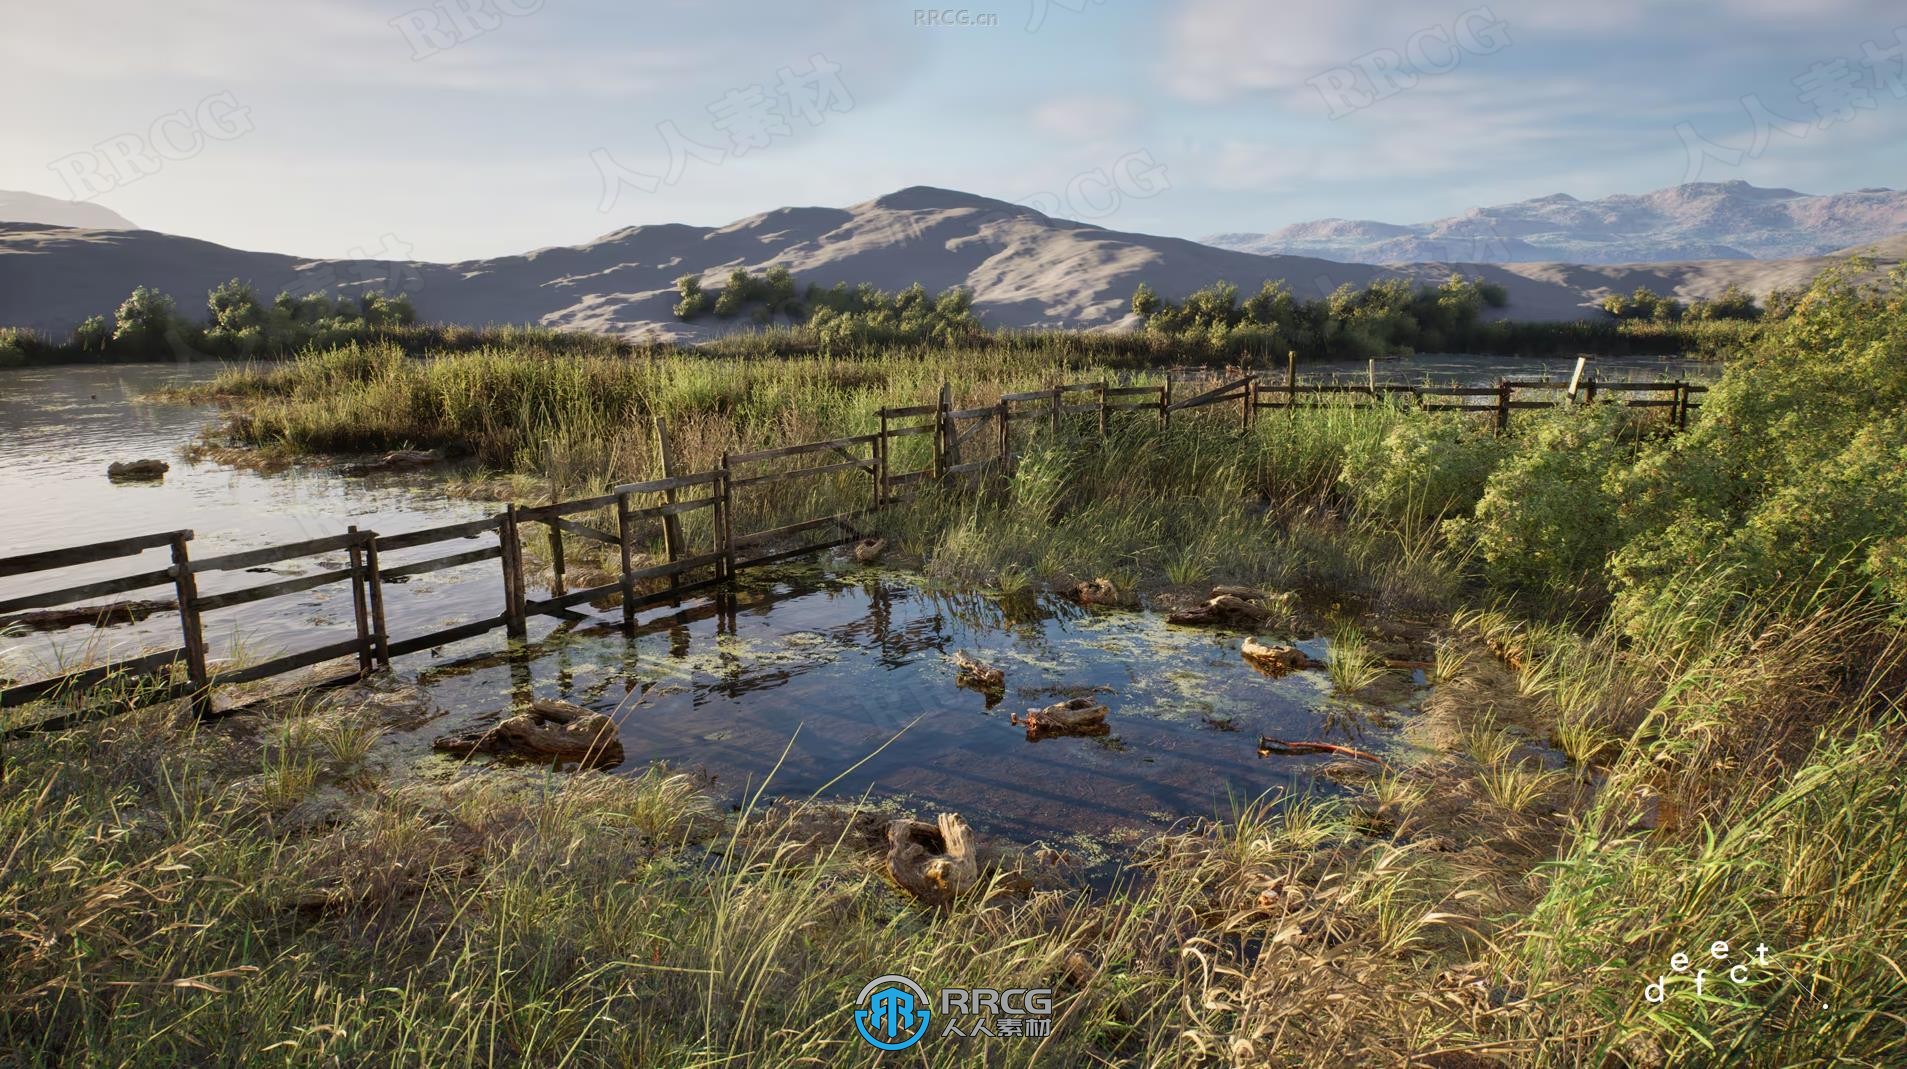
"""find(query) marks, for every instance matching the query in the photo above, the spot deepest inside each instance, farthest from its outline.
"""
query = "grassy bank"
(1707, 627)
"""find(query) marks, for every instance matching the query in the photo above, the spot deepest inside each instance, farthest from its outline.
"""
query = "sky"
(478, 128)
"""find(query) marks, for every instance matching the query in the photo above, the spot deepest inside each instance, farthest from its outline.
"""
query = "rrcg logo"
(894, 1013)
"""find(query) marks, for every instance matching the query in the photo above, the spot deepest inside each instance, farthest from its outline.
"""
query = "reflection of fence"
(959, 442)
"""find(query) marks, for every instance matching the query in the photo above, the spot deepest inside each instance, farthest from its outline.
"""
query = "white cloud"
(1085, 116)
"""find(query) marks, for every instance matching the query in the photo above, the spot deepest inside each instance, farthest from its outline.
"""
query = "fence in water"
(971, 441)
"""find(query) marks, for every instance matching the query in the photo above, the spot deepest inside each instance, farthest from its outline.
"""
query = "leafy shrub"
(1427, 467)
(145, 322)
(1798, 464)
(1546, 522)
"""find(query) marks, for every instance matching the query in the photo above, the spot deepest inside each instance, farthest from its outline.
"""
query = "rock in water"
(977, 674)
(932, 862)
(868, 550)
(1275, 659)
(137, 469)
(1076, 716)
(1099, 591)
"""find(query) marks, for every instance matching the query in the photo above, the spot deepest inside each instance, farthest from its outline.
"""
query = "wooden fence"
(963, 442)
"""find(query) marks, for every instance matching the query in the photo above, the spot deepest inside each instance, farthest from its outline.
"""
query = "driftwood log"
(551, 729)
(1274, 658)
(933, 862)
(1075, 716)
(1224, 610)
(869, 549)
(1288, 748)
(137, 469)
(119, 612)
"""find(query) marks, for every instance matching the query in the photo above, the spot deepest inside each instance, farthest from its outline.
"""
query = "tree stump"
(869, 549)
(933, 862)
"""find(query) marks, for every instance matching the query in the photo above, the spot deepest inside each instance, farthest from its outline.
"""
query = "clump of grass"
(1353, 666)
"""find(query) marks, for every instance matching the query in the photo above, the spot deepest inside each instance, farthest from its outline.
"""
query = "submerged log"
(119, 612)
(396, 460)
(869, 549)
(1076, 716)
(137, 469)
(933, 862)
(976, 674)
(551, 729)
(1275, 659)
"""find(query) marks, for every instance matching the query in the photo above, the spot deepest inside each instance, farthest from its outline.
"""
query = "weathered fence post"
(1053, 404)
(624, 537)
(1249, 400)
(1165, 401)
(360, 610)
(1104, 411)
(1006, 440)
(373, 577)
(1681, 404)
(1502, 405)
(880, 464)
(942, 406)
(186, 589)
(557, 586)
(513, 617)
(1589, 395)
(725, 521)
(671, 524)
(1576, 377)
(878, 473)
(1291, 382)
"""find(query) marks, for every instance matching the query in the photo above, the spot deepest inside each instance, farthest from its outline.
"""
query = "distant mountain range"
(1697, 221)
(1024, 269)
(18, 207)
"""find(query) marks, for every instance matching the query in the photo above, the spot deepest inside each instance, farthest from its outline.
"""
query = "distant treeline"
(1392, 317)
(1395, 317)
(149, 326)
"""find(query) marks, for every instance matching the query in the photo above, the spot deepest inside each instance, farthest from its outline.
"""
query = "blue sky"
(485, 127)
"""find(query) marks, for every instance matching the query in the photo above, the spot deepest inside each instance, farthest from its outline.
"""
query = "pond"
(827, 678)
(838, 680)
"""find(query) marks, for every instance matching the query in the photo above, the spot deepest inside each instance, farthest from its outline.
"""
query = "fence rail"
(964, 442)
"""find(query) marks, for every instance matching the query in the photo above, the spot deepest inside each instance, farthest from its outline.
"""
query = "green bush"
(1427, 467)
(1797, 464)
(1546, 522)
(146, 322)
